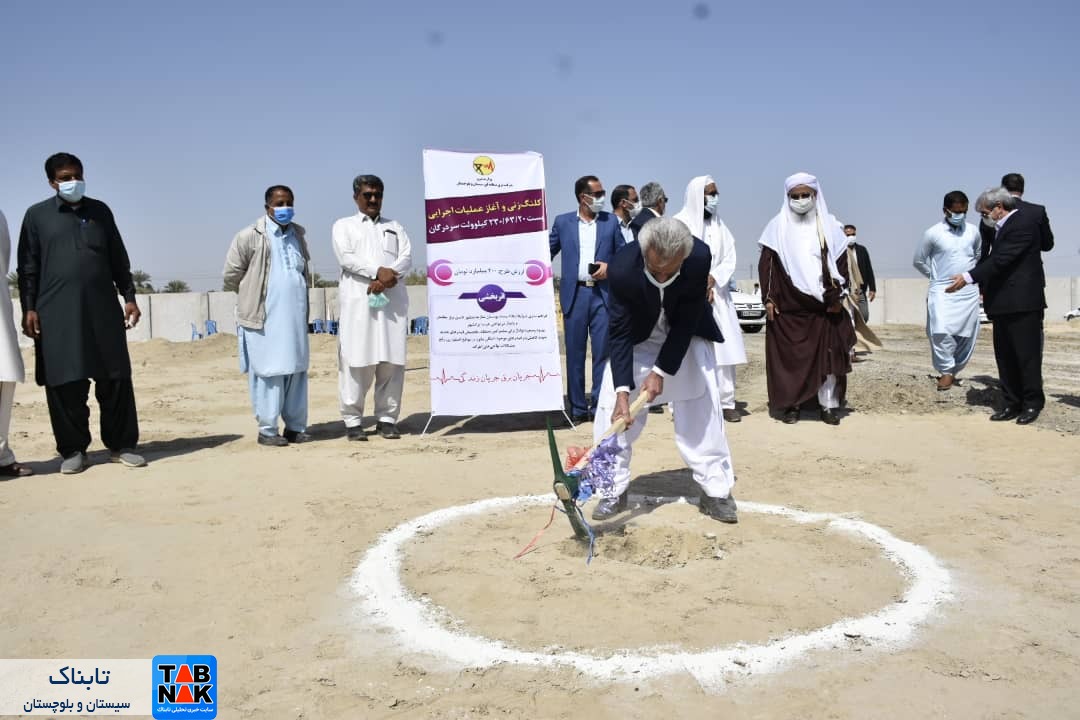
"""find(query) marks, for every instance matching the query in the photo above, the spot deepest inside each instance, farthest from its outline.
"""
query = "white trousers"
(827, 396)
(699, 435)
(353, 386)
(725, 380)
(951, 353)
(7, 401)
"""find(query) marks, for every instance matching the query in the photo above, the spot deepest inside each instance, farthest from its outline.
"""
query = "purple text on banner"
(478, 216)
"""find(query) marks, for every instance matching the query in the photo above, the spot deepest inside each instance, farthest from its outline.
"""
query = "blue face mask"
(956, 219)
(283, 215)
(377, 300)
(71, 190)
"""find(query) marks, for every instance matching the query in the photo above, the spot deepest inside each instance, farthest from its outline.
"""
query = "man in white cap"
(803, 276)
(699, 213)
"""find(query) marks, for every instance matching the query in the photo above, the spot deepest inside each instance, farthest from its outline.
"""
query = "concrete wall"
(173, 314)
(223, 311)
(142, 331)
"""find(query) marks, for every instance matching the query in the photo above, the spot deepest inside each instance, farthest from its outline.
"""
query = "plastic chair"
(211, 328)
(420, 325)
(332, 327)
(318, 326)
(195, 335)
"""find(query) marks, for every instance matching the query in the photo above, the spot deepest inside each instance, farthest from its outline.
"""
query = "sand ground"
(224, 547)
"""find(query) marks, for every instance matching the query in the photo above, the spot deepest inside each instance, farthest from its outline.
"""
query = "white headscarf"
(692, 214)
(802, 263)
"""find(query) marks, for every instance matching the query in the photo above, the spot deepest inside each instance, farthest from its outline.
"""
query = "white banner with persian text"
(491, 301)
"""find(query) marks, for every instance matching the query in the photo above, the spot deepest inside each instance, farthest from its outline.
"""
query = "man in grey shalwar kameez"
(950, 247)
(267, 265)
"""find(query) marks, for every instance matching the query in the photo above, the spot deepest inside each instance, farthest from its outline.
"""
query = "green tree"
(319, 281)
(177, 286)
(416, 277)
(142, 282)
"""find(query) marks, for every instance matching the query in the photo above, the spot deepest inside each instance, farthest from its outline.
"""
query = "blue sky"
(184, 113)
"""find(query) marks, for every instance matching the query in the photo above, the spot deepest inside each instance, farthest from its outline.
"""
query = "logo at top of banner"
(483, 165)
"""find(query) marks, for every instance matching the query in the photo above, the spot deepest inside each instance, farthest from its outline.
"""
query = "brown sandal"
(15, 470)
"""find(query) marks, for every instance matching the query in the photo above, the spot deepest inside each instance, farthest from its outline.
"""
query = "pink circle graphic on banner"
(441, 272)
(537, 272)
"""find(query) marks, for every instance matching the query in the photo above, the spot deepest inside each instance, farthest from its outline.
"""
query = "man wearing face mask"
(1010, 275)
(267, 266)
(663, 337)
(587, 238)
(72, 263)
(699, 214)
(653, 202)
(625, 206)
(950, 247)
(375, 255)
(803, 273)
(863, 285)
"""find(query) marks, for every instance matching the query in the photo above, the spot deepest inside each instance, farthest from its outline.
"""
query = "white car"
(1073, 314)
(751, 311)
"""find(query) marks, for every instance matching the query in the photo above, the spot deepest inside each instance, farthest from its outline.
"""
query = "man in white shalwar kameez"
(699, 214)
(662, 341)
(268, 267)
(11, 365)
(950, 247)
(375, 255)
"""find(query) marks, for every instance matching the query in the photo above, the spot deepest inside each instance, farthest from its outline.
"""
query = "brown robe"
(804, 343)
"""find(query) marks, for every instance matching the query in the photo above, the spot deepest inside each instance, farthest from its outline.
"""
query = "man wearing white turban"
(803, 275)
(699, 213)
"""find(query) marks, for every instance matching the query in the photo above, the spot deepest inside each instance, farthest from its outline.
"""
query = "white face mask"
(801, 206)
(851, 240)
(656, 283)
(711, 202)
(634, 210)
(596, 205)
(989, 221)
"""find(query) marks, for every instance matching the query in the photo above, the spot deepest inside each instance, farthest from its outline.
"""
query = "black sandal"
(15, 470)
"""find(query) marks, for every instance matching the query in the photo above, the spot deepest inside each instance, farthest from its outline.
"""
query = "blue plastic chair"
(420, 325)
(211, 328)
(332, 327)
(195, 333)
(318, 326)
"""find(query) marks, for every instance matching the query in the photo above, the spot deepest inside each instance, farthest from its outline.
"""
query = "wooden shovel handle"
(617, 427)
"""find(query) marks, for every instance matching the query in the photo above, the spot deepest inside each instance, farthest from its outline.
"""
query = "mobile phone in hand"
(593, 267)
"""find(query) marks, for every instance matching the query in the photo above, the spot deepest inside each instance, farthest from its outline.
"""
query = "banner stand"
(432, 417)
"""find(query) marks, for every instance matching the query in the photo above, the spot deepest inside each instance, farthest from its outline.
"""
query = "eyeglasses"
(599, 194)
(801, 196)
(371, 195)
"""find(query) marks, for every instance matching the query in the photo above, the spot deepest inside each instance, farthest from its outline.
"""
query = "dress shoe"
(1028, 416)
(356, 433)
(829, 417)
(791, 416)
(296, 436)
(732, 415)
(945, 382)
(722, 509)
(582, 418)
(387, 430)
(1007, 414)
(272, 440)
(610, 507)
(656, 409)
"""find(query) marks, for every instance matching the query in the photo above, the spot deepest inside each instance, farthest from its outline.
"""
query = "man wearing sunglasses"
(587, 238)
(375, 255)
(654, 202)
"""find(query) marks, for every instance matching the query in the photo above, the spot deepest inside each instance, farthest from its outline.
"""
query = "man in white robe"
(699, 214)
(950, 247)
(375, 255)
(11, 365)
(662, 344)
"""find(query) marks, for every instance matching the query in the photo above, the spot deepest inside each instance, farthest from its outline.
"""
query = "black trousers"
(1018, 351)
(70, 415)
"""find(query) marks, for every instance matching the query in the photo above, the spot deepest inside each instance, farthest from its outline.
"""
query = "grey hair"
(668, 238)
(996, 196)
(373, 181)
(651, 194)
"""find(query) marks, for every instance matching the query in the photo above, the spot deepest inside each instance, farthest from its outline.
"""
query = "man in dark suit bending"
(1010, 277)
(661, 344)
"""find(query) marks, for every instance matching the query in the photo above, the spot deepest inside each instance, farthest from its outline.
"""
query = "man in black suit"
(1010, 277)
(653, 203)
(1014, 183)
(661, 340)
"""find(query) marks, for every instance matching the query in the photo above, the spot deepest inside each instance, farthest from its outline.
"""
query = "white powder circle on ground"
(419, 625)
